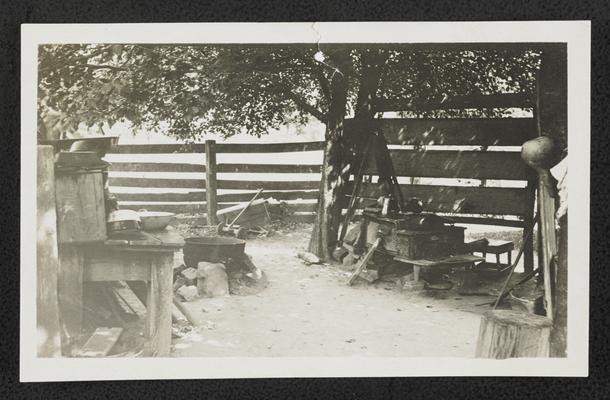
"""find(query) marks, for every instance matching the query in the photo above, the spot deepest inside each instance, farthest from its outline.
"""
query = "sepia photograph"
(300, 205)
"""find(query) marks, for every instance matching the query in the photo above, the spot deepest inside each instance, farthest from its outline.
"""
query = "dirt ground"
(311, 311)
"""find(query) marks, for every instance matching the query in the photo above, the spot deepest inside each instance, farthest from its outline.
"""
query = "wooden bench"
(451, 261)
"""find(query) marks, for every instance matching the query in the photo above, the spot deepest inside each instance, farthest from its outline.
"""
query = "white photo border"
(575, 33)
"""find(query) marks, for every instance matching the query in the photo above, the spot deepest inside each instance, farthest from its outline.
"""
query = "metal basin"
(154, 220)
(211, 249)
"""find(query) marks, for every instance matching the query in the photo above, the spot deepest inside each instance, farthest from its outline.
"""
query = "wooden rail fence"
(201, 195)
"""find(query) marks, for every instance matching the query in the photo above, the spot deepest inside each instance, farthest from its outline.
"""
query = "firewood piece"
(364, 261)
(186, 312)
(511, 334)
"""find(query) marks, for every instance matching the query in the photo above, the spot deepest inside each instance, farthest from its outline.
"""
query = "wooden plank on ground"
(456, 164)
(268, 147)
(156, 167)
(270, 168)
(455, 131)
(166, 197)
(157, 182)
(461, 199)
(101, 342)
(268, 185)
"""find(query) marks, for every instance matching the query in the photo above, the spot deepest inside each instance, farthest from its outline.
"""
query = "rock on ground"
(188, 292)
(213, 280)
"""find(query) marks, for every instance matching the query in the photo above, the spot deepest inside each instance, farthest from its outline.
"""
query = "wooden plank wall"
(457, 150)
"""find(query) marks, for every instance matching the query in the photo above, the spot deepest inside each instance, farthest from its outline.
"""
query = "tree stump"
(511, 334)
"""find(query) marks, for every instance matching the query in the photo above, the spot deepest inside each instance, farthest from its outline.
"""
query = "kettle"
(123, 221)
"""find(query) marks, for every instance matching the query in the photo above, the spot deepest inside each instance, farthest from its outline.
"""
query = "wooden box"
(415, 244)
(429, 244)
(81, 215)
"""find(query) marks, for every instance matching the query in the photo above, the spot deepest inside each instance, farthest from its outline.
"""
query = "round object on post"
(540, 153)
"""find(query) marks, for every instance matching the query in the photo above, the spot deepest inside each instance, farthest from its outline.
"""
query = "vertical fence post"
(210, 181)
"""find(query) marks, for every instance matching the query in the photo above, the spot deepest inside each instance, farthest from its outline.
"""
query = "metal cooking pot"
(211, 249)
(123, 221)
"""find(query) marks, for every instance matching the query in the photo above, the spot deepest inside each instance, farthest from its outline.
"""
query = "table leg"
(70, 296)
(159, 306)
(416, 270)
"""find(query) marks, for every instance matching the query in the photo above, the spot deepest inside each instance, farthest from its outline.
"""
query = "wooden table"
(150, 259)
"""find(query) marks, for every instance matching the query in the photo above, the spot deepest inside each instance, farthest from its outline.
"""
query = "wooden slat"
(268, 185)
(457, 164)
(487, 221)
(157, 182)
(456, 131)
(268, 147)
(221, 148)
(101, 342)
(157, 148)
(293, 195)
(167, 207)
(508, 100)
(155, 167)
(168, 197)
(269, 168)
(462, 199)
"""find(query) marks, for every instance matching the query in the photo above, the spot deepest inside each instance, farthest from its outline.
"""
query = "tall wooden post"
(528, 242)
(538, 153)
(47, 262)
(210, 181)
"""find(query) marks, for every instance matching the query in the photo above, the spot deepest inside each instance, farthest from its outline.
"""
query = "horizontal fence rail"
(454, 131)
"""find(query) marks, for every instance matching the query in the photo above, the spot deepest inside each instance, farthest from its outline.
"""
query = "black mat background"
(597, 386)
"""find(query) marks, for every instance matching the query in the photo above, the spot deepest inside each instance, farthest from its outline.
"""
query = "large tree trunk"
(324, 235)
(338, 159)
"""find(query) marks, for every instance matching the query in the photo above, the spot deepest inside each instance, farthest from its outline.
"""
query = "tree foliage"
(189, 90)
